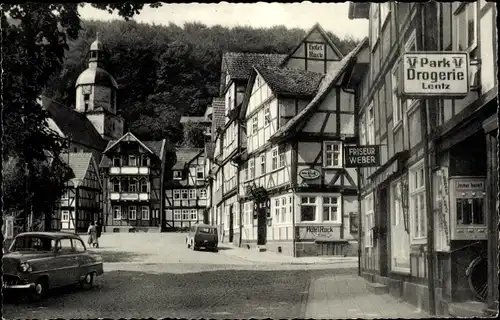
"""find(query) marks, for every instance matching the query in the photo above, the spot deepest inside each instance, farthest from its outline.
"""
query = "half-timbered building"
(134, 174)
(186, 193)
(81, 202)
(458, 186)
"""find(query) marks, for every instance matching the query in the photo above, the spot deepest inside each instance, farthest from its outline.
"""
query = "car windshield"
(206, 230)
(33, 243)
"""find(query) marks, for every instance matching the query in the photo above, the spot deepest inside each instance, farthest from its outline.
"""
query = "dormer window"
(117, 162)
(177, 175)
(132, 160)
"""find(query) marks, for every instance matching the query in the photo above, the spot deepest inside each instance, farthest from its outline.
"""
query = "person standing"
(98, 227)
(92, 232)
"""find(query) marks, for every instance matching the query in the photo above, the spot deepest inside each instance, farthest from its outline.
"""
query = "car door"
(67, 262)
(84, 261)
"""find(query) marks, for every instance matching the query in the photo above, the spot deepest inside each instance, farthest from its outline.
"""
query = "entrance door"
(67, 219)
(231, 219)
(261, 226)
(383, 213)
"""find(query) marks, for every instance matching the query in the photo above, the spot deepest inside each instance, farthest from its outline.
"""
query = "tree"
(34, 42)
(194, 136)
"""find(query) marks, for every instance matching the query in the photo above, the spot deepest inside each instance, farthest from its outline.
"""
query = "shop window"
(418, 215)
(369, 221)
(308, 209)
(466, 27)
(145, 213)
(177, 194)
(333, 155)
(177, 215)
(331, 209)
(117, 214)
(132, 213)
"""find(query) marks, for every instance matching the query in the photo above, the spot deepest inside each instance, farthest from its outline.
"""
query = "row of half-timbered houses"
(277, 179)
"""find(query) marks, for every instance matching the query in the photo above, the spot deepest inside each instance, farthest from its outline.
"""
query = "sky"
(331, 16)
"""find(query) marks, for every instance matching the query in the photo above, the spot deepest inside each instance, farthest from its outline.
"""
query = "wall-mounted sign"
(316, 232)
(362, 156)
(470, 185)
(309, 174)
(316, 50)
(443, 74)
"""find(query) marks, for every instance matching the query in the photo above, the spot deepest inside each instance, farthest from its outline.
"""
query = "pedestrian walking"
(92, 232)
(98, 227)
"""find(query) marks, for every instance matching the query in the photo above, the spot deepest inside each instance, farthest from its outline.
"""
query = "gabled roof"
(128, 134)
(73, 124)
(79, 162)
(323, 33)
(239, 64)
(332, 76)
(157, 148)
(218, 116)
(290, 81)
(186, 155)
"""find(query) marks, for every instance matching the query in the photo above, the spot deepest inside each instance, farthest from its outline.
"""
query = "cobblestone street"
(233, 283)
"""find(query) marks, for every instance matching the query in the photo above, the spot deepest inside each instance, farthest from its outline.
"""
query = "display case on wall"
(467, 209)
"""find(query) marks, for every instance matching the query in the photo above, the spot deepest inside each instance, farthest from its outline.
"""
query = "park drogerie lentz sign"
(363, 156)
(443, 74)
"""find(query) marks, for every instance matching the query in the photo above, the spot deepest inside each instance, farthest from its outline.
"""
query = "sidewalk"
(346, 296)
(273, 257)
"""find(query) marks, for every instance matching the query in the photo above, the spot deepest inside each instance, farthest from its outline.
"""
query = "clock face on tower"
(87, 89)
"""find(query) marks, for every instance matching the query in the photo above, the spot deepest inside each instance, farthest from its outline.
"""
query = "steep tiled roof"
(184, 155)
(239, 64)
(79, 163)
(73, 124)
(291, 81)
(218, 116)
(333, 74)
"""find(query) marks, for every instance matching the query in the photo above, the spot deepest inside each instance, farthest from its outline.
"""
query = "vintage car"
(38, 261)
(202, 236)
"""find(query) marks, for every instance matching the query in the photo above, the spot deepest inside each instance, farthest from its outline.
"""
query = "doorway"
(231, 219)
(261, 225)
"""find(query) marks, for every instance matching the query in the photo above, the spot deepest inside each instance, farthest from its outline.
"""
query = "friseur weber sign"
(428, 74)
(361, 156)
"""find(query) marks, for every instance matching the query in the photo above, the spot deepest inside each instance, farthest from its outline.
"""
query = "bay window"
(418, 216)
(333, 155)
(308, 209)
(331, 209)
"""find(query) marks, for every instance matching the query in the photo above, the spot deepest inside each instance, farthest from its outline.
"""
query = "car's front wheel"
(88, 281)
(39, 290)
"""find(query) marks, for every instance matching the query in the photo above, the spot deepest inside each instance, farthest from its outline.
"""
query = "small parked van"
(202, 236)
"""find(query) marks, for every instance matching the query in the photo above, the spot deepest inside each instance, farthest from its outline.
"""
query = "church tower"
(96, 95)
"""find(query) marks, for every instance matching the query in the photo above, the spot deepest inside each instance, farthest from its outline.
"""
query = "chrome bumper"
(19, 286)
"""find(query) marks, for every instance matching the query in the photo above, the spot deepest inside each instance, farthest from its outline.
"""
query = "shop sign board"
(316, 50)
(309, 174)
(434, 74)
(315, 232)
(362, 156)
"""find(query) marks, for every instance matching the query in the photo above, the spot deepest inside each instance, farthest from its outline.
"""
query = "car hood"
(12, 260)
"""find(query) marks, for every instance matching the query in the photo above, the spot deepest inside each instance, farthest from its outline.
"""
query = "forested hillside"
(164, 72)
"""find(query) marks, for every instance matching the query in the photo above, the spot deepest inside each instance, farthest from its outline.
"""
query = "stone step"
(377, 288)
(467, 309)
